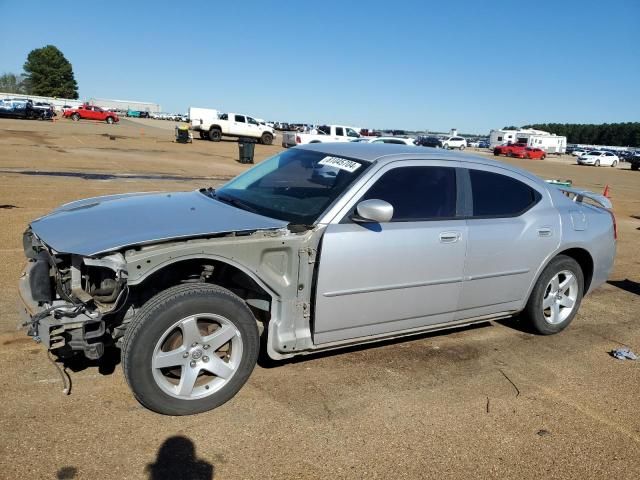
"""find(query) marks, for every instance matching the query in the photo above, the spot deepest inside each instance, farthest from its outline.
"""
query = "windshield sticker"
(340, 163)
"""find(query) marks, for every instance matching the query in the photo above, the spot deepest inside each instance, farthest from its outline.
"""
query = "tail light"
(615, 225)
(298, 139)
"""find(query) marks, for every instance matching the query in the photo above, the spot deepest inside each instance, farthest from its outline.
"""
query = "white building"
(124, 105)
(548, 142)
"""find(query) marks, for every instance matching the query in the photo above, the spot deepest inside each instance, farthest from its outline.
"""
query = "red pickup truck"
(91, 112)
(512, 150)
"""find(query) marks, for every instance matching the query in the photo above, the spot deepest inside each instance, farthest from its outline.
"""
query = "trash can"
(246, 146)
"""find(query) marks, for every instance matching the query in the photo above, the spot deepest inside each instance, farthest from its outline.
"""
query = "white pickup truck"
(323, 134)
(214, 125)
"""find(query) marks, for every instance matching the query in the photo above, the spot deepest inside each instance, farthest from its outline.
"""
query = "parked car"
(483, 144)
(43, 110)
(530, 153)
(578, 152)
(322, 134)
(509, 149)
(91, 112)
(598, 158)
(392, 140)
(454, 142)
(634, 161)
(429, 141)
(17, 108)
(319, 247)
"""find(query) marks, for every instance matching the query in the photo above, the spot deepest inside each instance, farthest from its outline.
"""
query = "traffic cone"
(606, 192)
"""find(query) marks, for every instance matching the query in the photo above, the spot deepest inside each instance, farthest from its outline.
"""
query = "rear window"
(496, 195)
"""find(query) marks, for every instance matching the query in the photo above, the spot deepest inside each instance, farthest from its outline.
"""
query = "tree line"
(616, 134)
(47, 73)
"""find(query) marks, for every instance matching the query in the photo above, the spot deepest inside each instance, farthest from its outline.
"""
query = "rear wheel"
(461, 147)
(190, 349)
(109, 120)
(215, 135)
(266, 139)
(556, 297)
(615, 163)
(543, 156)
(597, 164)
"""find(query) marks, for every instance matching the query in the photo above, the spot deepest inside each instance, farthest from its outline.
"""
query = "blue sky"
(379, 64)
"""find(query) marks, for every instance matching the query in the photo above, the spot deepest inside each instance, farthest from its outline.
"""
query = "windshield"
(295, 186)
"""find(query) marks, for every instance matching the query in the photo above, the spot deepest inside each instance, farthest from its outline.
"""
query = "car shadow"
(106, 364)
(176, 459)
(265, 362)
(627, 285)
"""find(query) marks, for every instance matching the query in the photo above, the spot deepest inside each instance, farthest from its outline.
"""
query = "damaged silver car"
(316, 248)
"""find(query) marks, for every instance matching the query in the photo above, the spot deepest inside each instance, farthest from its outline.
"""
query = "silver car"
(316, 248)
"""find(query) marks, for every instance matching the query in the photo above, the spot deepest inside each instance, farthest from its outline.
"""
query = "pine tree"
(49, 73)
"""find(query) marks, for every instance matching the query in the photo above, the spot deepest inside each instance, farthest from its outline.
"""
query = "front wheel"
(461, 147)
(615, 163)
(556, 297)
(597, 164)
(75, 117)
(266, 139)
(215, 135)
(190, 349)
(109, 120)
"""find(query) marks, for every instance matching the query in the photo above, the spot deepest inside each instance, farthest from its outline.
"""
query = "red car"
(91, 112)
(532, 153)
(511, 150)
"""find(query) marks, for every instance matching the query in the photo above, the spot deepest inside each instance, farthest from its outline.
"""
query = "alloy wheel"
(560, 297)
(197, 356)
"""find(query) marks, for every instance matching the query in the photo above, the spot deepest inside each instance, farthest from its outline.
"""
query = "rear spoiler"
(579, 196)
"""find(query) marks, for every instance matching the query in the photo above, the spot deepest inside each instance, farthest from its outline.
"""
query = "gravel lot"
(486, 402)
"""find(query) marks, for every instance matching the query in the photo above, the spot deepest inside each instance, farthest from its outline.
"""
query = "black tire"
(215, 134)
(203, 135)
(75, 117)
(109, 120)
(461, 147)
(266, 139)
(543, 156)
(496, 153)
(635, 166)
(533, 312)
(157, 316)
(597, 164)
(614, 164)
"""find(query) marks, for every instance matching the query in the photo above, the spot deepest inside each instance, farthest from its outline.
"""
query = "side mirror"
(373, 210)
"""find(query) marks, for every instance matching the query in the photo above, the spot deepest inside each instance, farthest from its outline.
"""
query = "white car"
(392, 140)
(579, 152)
(597, 158)
(454, 142)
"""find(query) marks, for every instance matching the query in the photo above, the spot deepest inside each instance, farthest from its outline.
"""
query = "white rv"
(548, 142)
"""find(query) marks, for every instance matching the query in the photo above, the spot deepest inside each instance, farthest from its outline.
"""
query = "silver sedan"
(316, 248)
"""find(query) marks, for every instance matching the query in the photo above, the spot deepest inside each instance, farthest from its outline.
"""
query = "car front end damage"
(65, 297)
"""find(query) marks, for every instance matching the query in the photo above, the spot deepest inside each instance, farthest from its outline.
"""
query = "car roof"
(388, 152)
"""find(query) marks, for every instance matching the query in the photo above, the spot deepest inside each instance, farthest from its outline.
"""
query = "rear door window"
(339, 131)
(417, 193)
(240, 118)
(496, 195)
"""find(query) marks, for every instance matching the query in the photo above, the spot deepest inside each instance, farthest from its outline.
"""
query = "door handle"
(545, 232)
(449, 237)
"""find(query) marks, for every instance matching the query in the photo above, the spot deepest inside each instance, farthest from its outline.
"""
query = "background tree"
(50, 74)
(12, 83)
(619, 134)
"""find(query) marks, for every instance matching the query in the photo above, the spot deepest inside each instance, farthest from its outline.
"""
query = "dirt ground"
(485, 402)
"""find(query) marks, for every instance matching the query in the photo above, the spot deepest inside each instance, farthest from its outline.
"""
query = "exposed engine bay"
(69, 296)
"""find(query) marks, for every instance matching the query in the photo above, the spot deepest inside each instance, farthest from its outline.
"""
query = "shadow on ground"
(176, 459)
(626, 285)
